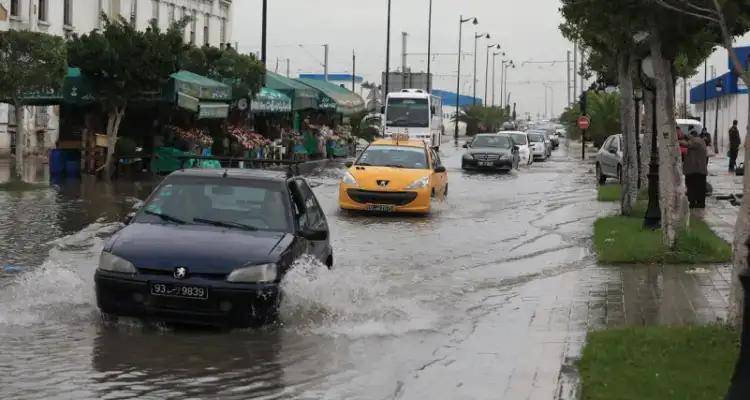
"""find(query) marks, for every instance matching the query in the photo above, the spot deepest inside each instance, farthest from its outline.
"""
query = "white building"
(210, 24)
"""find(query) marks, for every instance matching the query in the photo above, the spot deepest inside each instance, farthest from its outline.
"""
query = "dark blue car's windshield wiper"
(166, 217)
(225, 224)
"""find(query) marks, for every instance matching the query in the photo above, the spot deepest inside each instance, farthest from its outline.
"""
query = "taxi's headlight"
(419, 183)
(112, 263)
(254, 274)
(349, 179)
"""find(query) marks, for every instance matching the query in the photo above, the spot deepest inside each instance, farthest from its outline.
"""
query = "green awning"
(346, 101)
(198, 86)
(303, 96)
(270, 101)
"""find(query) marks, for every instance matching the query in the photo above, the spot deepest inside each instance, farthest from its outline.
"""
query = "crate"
(102, 141)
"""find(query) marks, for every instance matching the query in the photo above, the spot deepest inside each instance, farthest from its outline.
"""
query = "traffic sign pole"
(583, 124)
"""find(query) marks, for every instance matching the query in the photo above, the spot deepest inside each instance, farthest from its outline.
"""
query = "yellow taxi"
(394, 175)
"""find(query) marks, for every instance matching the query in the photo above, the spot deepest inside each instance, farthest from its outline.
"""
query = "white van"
(415, 113)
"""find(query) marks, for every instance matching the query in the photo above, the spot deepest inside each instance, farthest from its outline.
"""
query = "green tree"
(241, 71)
(123, 64)
(604, 110)
(480, 119)
(29, 62)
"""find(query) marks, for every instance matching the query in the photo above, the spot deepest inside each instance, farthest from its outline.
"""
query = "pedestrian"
(682, 140)
(734, 145)
(696, 170)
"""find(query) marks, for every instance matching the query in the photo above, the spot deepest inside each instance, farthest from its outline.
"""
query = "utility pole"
(264, 36)
(354, 69)
(288, 61)
(502, 84)
(429, 50)
(325, 62)
(404, 39)
(568, 64)
(388, 52)
(575, 68)
(705, 90)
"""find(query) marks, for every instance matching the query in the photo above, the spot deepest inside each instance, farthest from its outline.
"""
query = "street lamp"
(476, 39)
(510, 64)
(652, 219)
(429, 48)
(487, 70)
(461, 22)
(494, 64)
(719, 90)
(637, 97)
(388, 51)
(263, 33)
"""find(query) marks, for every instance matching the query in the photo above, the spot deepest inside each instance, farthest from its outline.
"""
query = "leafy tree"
(123, 64)
(604, 110)
(479, 119)
(241, 71)
(29, 62)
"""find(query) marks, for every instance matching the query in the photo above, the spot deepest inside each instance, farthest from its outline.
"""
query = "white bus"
(416, 113)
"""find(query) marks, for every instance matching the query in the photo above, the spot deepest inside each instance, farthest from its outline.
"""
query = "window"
(171, 13)
(155, 10)
(15, 8)
(67, 12)
(206, 30)
(405, 112)
(312, 216)
(223, 30)
(41, 117)
(394, 156)
(193, 25)
(43, 10)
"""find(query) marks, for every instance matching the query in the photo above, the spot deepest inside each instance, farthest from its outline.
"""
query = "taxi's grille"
(392, 198)
(486, 157)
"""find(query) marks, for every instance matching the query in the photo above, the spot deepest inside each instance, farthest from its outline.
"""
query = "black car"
(210, 247)
(490, 151)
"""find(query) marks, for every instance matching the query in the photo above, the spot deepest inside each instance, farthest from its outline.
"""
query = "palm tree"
(480, 119)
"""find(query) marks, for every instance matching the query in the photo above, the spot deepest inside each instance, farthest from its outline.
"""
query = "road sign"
(584, 122)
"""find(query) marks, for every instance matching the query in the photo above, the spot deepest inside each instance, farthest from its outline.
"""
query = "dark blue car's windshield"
(232, 203)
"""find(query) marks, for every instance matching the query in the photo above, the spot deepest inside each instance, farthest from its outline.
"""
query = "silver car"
(609, 159)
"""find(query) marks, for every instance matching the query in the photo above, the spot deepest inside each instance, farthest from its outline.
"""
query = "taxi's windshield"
(394, 156)
(501, 142)
(228, 203)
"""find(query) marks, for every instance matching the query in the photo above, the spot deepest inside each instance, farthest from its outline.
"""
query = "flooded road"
(483, 299)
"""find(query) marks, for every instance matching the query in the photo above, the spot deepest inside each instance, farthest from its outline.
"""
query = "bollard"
(739, 388)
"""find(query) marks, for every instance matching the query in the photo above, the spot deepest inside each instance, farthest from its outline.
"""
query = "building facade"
(211, 24)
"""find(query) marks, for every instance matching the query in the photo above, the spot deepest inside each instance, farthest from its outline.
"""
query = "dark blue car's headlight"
(254, 274)
(112, 263)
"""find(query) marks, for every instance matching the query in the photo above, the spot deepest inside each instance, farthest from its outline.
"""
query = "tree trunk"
(114, 117)
(627, 123)
(20, 131)
(671, 183)
(741, 231)
(648, 118)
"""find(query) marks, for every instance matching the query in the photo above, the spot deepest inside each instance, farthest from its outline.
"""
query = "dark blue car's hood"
(203, 249)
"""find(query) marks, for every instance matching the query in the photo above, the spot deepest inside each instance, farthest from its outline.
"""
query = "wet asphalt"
(489, 297)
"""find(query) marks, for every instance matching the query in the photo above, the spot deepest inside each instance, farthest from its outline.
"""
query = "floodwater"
(489, 297)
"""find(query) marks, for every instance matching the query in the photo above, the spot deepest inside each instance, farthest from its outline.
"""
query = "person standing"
(696, 170)
(682, 140)
(734, 145)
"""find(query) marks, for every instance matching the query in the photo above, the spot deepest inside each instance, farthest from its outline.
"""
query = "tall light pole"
(705, 90)
(487, 71)
(510, 64)
(264, 36)
(494, 64)
(429, 50)
(719, 90)
(387, 52)
(474, 82)
(461, 22)
(502, 84)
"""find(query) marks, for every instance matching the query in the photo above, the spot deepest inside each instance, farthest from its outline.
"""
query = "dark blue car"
(210, 247)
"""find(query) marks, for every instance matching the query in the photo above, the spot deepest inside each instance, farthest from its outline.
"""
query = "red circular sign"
(584, 122)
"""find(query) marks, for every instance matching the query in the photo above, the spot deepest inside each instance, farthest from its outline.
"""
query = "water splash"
(348, 301)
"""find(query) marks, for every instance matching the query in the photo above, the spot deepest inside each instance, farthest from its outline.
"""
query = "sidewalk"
(721, 215)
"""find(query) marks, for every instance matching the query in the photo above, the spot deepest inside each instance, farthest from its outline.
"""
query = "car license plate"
(485, 163)
(177, 290)
(380, 207)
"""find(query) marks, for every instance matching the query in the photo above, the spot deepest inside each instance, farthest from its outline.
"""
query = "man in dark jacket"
(696, 169)
(734, 145)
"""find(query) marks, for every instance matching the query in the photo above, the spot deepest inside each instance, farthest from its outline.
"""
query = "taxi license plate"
(176, 290)
(381, 207)
(485, 163)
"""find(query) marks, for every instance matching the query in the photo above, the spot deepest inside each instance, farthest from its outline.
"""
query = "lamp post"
(719, 91)
(494, 64)
(487, 71)
(461, 22)
(637, 97)
(652, 219)
(388, 52)
(429, 48)
(502, 84)
(510, 64)
(705, 89)
(264, 33)
(474, 82)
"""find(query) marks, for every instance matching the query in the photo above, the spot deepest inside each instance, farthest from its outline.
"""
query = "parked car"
(521, 140)
(609, 159)
(539, 146)
(210, 247)
(491, 151)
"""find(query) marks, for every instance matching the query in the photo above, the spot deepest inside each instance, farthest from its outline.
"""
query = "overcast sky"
(527, 30)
